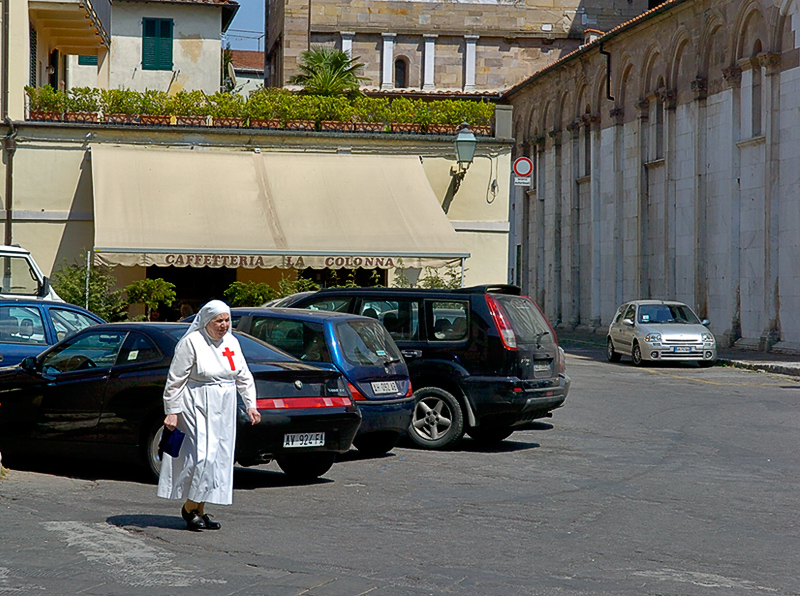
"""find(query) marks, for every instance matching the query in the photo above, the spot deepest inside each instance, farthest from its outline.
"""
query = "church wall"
(697, 177)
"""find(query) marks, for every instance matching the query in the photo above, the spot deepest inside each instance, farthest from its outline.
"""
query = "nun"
(200, 399)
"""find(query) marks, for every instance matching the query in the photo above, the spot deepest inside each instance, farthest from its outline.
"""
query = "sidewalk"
(784, 364)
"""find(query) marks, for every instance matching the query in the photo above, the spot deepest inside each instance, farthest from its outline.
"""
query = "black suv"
(483, 360)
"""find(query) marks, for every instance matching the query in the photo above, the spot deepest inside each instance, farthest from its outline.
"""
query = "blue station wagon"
(358, 347)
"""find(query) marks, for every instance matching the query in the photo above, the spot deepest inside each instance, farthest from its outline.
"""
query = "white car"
(654, 330)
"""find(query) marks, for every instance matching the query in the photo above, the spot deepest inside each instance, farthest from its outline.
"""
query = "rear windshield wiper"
(539, 337)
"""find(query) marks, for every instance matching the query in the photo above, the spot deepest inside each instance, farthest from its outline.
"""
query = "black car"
(98, 394)
(483, 360)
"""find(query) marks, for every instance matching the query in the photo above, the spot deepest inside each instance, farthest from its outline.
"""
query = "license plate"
(541, 366)
(681, 350)
(381, 387)
(304, 440)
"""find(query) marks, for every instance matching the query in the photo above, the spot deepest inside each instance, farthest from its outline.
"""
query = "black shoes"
(194, 521)
(211, 525)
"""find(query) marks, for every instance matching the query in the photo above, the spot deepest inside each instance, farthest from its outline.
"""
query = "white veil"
(210, 309)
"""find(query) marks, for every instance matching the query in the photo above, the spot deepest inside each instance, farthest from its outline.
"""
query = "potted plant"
(301, 113)
(371, 114)
(335, 113)
(46, 103)
(265, 107)
(189, 108)
(445, 117)
(82, 104)
(119, 106)
(402, 111)
(227, 109)
(154, 107)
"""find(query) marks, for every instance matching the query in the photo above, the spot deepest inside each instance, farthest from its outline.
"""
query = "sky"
(246, 32)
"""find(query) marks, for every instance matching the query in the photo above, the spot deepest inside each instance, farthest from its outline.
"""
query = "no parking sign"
(523, 170)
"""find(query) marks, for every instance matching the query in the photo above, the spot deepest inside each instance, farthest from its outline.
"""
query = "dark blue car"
(360, 348)
(29, 326)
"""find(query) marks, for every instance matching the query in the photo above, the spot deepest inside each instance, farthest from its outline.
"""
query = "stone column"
(347, 42)
(469, 64)
(387, 70)
(430, 61)
(700, 90)
(733, 78)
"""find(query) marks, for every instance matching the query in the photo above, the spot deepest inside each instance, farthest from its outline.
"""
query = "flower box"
(83, 117)
(43, 115)
(121, 118)
(407, 127)
(191, 120)
(369, 126)
(336, 125)
(265, 123)
(227, 121)
(442, 129)
(155, 119)
(300, 125)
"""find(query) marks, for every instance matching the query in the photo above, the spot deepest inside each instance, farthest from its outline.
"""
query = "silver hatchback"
(653, 330)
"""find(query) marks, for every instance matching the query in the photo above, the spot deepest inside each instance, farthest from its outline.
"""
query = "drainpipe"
(10, 141)
(608, 72)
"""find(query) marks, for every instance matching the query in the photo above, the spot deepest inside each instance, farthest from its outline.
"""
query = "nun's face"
(219, 325)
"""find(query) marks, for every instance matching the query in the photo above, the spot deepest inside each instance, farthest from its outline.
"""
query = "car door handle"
(411, 353)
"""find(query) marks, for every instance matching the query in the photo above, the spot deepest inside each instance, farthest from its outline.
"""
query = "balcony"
(72, 26)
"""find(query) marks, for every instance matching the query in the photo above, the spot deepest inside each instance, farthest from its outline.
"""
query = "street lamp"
(465, 151)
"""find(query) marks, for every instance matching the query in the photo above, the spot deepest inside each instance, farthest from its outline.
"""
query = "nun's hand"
(171, 421)
(255, 415)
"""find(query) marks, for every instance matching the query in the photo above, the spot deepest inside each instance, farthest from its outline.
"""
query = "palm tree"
(328, 71)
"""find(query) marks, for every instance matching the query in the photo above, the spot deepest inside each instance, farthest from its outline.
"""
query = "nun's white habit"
(201, 388)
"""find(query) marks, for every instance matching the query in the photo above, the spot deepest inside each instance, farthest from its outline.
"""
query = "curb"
(770, 367)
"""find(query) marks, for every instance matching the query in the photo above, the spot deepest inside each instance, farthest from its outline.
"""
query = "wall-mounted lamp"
(465, 151)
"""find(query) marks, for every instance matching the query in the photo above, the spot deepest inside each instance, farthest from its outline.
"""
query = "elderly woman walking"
(200, 399)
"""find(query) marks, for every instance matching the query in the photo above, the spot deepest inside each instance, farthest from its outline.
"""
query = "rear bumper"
(264, 441)
(509, 401)
(389, 415)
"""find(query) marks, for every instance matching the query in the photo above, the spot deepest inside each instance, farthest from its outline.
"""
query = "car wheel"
(377, 443)
(438, 421)
(491, 434)
(636, 354)
(305, 467)
(152, 435)
(611, 353)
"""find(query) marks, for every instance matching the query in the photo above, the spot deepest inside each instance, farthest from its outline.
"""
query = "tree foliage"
(249, 293)
(69, 281)
(328, 71)
(150, 293)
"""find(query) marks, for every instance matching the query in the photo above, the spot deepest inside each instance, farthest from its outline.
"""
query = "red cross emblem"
(228, 353)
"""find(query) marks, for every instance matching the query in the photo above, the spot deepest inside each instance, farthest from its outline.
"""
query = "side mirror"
(44, 288)
(28, 364)
(628, 322)
(705, 322)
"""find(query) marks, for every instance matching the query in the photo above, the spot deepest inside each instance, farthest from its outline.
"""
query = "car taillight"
(291, 403)
(502, 323)
(410, 391)
(355, 393)
(561, 363)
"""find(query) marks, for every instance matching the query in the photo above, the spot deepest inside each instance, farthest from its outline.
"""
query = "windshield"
(254, 350)
(19, 278)
(366, 343)
(667, 313)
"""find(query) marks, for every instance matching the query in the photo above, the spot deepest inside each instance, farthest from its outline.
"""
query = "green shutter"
(87, 60)
(157, 44)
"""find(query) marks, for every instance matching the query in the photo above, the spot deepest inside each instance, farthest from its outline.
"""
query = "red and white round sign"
(523, 167)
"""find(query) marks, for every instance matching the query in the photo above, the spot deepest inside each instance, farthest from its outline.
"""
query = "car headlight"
(708, 337)
(653, 338)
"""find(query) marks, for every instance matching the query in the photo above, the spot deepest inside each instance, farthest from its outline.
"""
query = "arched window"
(756, 92)
(400, 74)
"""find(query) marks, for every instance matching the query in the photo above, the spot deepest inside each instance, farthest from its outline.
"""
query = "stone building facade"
(667, 157)
(456, 45)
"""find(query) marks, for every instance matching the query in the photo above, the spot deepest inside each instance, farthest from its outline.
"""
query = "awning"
(216, 208)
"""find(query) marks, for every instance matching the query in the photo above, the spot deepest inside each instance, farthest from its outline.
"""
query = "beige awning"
(216, 208)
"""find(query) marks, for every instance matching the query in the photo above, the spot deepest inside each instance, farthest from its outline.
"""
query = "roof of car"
(650, 301)
(295, 313)
(486, 289)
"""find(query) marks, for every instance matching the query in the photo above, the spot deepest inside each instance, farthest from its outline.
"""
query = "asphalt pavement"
(784, 364)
